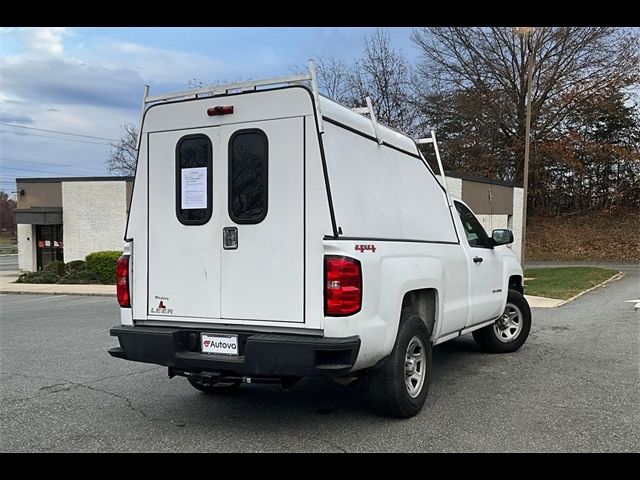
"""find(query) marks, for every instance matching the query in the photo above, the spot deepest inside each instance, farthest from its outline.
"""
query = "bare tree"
(124, 154)
(333, 80)
(7, 220)
(383, 73)
(572, 66)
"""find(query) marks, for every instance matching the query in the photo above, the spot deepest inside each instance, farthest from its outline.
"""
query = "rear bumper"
(260, 354)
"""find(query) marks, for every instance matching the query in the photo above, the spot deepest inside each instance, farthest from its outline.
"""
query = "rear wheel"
(220, 387)
(399, 387)
(511, 330)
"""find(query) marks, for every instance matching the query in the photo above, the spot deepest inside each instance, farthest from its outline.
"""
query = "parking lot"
(574, 386)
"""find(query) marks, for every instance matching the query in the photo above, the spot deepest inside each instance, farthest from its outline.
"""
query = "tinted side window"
(476, 236)
(194, 199)
(248, 176)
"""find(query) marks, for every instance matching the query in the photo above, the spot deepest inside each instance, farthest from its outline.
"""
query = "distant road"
(9, 262)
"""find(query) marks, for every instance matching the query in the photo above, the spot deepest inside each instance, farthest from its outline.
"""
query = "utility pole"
(525, 179)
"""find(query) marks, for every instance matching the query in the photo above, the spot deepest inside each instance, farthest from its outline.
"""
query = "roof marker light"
(219, 110)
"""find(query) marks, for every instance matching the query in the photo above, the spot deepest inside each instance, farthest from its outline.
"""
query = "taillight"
(342, 286)
(122, 281)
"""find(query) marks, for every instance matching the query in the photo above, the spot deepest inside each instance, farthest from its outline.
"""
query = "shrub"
(38, 277)
(57, 267)
(80, 277)
(103, 264)
(76, 265)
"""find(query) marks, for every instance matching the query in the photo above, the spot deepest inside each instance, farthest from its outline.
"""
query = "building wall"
(454, 185)
(26, 247)
(94, 217)
(516, 221)
(45, 194)
(487, 197)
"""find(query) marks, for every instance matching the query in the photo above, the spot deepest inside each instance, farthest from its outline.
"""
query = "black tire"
(489, 340)
(220, 387)
(388, 390)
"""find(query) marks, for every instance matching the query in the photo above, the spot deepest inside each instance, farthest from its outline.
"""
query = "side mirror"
(502, 236)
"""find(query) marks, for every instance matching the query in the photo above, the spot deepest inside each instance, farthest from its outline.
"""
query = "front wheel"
(510, 331)
(399, 387)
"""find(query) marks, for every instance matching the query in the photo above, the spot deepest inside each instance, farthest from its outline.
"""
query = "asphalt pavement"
(573, 387)
(8, 262)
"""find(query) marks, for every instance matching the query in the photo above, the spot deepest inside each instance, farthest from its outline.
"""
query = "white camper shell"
(275, 234)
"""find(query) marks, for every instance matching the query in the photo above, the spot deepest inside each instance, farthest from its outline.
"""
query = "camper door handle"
(230, 238)
(477, 259)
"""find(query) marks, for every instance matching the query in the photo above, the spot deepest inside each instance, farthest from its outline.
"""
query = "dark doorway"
(49, 245)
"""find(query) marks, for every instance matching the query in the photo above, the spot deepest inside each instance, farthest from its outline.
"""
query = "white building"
(68, 218)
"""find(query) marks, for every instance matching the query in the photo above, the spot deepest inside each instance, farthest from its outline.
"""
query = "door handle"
(230, 238)
(477, 259)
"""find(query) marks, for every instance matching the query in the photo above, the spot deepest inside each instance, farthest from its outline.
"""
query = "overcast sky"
(89, 81)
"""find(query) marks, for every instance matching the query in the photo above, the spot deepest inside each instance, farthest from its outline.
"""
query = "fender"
(401, 275)
(511, 267)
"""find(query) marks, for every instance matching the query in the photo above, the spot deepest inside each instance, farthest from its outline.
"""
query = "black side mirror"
(502, 236)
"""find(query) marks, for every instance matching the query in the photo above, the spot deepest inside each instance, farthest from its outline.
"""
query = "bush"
(80, 277)
(103, 264)
(76, 265)
(57, 267)
(38, 277)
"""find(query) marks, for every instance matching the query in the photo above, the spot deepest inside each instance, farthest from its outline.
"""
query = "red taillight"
(122, 281)
(213, 111)
(342, 286)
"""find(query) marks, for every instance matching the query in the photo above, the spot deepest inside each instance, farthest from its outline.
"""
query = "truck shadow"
(312, 398)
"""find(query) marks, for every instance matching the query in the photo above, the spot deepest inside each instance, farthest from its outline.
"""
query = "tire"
(389, 390)
(497, 339)
(220, 387)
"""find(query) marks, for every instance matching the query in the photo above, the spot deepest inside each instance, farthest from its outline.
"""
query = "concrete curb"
(617, 276)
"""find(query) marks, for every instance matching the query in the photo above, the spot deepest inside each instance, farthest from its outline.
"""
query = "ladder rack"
(369, 109)
(249, 85)
(432, 140)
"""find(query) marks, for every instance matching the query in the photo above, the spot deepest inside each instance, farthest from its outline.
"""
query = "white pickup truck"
(274, 234)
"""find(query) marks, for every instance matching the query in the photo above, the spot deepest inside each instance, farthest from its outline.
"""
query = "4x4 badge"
(363, 248)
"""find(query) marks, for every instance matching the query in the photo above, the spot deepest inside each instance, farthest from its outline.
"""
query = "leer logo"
(162, 308)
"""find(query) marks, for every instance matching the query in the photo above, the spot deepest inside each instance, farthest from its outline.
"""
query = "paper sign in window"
(194, 188)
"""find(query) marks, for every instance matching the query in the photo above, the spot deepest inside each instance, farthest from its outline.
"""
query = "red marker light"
(213, 111)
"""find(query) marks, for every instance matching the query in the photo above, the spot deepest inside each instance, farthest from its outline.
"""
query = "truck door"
(262, 248)
(485, 269)
(184, 233)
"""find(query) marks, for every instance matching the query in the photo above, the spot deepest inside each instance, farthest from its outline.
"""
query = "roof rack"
(369, 109)
(249, 85)
(432, 140)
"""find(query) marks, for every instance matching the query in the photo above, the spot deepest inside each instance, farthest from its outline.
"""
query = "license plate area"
(219, 344)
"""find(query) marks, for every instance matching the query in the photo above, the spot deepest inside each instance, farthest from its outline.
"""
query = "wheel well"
(515, 283)
(424, 302)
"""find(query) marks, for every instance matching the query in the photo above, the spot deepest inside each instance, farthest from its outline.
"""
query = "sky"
(90, 81)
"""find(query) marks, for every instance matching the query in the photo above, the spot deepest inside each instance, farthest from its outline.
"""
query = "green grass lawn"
(564, 282)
